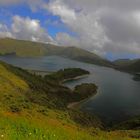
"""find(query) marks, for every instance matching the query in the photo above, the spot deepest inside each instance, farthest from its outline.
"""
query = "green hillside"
(123, 62)
(134, 67)
(21, 48)
(128, 65)
(32, 49)
(34, 108)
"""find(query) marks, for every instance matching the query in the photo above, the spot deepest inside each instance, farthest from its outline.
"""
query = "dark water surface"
(118, 94)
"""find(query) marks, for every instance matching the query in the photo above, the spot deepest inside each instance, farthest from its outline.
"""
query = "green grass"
(21, 48)
(17, 128)
(21, 128)
(33, 108)
(13, 127)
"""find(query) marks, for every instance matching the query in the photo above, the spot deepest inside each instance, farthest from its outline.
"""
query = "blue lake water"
(118, 94)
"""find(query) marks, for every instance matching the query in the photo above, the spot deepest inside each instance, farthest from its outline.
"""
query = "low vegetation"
(34, 108)
(133, 123)
(66, 74)
(85, 90)
(132, 66)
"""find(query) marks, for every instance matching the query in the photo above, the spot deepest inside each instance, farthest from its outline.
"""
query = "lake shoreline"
(75, 105)
(39, 72)
(75, 78)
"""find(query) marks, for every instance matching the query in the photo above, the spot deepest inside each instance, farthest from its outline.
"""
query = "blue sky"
(23, 10)
(84, 24)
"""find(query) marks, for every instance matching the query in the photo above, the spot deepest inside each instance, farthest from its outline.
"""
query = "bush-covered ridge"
(67, 74)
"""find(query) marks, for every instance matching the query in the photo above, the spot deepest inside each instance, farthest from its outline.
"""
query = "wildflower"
(54, 135)
(2, 136)
(30, 133)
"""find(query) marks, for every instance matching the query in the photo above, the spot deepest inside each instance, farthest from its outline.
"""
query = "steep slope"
(84, 56)
(135, 67)
(128, 65)
(32, 49)
(123, 62)
(21, 48)
(9, 81)
(35, 109)
(11, 87)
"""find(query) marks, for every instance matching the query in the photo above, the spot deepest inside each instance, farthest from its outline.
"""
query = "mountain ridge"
(34, 49)
(128, 65)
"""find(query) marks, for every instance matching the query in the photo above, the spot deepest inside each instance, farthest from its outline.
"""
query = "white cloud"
(26, 29)
(136, 15)
(100, 25)
(58, 8)
(90, 33)
(65, 39)
(29, 29)
(4, 31)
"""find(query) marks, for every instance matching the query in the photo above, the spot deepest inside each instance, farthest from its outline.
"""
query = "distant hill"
(33, 49)
(121, 62)
(21, 48)
(128, 65)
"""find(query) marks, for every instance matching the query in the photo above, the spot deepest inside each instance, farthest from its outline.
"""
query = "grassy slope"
(128, 65)
(123, 62)
(23, 117)
(21, 48)
(32, 49)
(135, 67)
(20, 118)
(80, 55)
